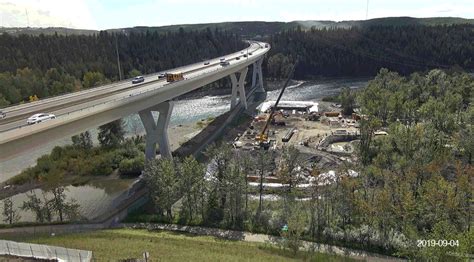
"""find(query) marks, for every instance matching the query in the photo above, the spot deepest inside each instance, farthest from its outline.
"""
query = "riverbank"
(178, 135)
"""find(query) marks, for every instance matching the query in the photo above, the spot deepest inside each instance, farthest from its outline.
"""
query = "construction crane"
(262, 138)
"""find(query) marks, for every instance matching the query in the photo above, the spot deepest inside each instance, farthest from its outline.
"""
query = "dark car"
(224, 62)
(237, 58)
(245, 55)
(206, 63)
(2, 115)
(138, 79)
(250, 53)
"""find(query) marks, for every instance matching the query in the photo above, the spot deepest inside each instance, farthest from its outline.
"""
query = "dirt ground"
(305, 130)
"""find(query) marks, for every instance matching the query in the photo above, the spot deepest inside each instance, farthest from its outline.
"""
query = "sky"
(107, 14)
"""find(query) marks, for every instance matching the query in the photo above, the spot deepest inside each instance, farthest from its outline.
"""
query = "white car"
(38, 118)
(2, 115)
(138, 79)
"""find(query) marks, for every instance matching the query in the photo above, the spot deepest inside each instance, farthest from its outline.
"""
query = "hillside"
(46, 31)
(253, 29)
(386, 21)
(120, 244)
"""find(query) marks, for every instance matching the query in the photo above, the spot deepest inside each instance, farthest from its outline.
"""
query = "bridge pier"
(238, 85)
(157, 132)
(257, 72)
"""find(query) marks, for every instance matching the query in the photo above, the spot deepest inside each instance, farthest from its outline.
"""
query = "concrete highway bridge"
(80, 111)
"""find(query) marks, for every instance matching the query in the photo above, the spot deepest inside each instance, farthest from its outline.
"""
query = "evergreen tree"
(83, 140)
(111, 134)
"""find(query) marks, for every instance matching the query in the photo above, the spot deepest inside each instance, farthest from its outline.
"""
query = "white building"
(308, 106)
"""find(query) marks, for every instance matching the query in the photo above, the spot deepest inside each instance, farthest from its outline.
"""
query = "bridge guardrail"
(93, 107)
(13, 108)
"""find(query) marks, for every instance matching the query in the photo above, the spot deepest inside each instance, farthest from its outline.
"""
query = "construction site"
(322, 135)
(324, 139)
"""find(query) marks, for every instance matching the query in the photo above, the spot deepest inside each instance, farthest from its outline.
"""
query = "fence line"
(37, 251)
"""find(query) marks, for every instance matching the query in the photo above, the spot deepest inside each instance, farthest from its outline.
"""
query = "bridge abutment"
(157, 132)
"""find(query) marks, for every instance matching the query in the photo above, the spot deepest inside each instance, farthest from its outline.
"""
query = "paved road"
(64, 104)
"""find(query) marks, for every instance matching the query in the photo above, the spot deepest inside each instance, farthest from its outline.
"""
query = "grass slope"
(110, 245)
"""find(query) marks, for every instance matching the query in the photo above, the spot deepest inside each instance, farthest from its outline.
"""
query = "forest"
(413, 184)
(49, 65)
(34, 67)
(358, 52)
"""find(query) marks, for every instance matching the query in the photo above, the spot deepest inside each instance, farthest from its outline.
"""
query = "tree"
(247, 164)
(191, 175)
(133, 73)
(92, 79)
(263, 165)
(111, 134)
(367, 129)
(38, 207)
(83, 140)
(28, 81)
(64, 209)
(161, 179)
(347, 98)
(10, 215)
(220, 158)
(235, 185)
(3, 101)
(279, 65)
(33, 98)
(296, 222)
(288, 167)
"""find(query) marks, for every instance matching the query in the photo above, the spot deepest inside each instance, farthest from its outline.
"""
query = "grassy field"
(111, 245)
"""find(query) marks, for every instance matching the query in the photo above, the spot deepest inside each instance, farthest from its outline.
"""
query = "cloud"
(44, 13)
(99, 14)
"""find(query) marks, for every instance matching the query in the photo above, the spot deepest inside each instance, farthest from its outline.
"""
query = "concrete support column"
(157, 132)
(257, 72)
(238, 86)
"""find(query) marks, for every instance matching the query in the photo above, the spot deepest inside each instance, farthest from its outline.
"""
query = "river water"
(98, 197)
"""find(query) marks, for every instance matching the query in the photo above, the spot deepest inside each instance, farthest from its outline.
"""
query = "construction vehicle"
(262, 138)
(173, 77)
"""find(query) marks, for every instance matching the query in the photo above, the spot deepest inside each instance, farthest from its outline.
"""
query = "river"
(100, 196)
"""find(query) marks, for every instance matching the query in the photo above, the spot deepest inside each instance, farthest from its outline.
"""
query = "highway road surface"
(74, 106)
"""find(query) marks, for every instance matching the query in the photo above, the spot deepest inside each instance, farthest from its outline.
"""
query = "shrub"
(101, 165)
(23, 177)
(131, 167)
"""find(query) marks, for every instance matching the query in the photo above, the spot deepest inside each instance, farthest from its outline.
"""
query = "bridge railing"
(95, 107)
(16, 107)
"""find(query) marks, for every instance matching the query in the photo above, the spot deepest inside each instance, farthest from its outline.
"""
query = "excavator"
(262, 138)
